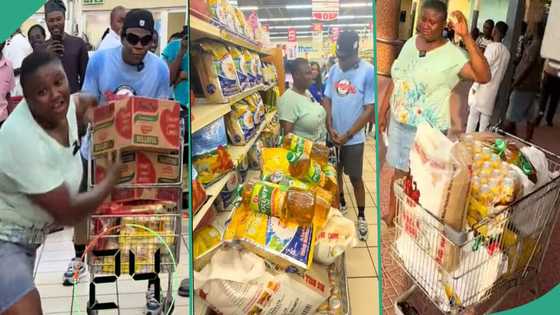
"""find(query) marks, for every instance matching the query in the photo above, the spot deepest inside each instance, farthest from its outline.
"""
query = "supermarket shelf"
(267, 87)
(237, 152)
(202, 29)
(213, 191)
(204, 114)
(232, 99)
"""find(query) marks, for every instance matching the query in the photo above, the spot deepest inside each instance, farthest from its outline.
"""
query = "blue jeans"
(16, 273)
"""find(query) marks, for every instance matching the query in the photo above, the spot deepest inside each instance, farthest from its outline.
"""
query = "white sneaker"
(362, 229)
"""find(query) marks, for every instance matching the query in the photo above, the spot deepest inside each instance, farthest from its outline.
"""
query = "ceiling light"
(305, 6)
(306, 18)
(299, 18)
(325, 26)
(249, 8)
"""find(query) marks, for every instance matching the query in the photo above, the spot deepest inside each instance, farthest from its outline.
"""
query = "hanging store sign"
(334, 33)
(292, 37)
(325, 10)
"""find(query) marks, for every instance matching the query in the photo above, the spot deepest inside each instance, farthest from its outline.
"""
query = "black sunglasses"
(134, 39)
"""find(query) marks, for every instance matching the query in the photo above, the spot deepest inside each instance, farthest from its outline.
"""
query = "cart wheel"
(183, 290)
(91, 312)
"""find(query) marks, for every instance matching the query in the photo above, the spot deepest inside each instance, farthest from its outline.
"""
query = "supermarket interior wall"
(496, 10)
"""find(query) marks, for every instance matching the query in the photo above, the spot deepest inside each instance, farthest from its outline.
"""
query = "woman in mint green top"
(40, 174)
(298, 111)
(423, 76)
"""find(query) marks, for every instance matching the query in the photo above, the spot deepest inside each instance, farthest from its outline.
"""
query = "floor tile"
(372, 236)
(364, 296)
(371, 215)
(358, 263)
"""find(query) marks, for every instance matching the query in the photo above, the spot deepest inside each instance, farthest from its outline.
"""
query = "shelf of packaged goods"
(212, 191)
(202, 29)
(232, 99)
(204, 114)
(237, 152)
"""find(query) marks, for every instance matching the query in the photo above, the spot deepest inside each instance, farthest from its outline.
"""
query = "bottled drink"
(306, 169)
(299, 145)
(264, 197)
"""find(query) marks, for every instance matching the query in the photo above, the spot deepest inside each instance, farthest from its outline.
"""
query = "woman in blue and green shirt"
(423, 76)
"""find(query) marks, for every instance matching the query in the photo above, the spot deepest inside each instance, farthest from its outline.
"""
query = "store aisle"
(361, 261)
(52, 261)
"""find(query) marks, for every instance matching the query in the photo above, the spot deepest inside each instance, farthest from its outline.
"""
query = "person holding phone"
(71, 50)
(424, 75)
(40, 175)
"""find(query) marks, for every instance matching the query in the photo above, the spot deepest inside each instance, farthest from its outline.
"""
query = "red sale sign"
(292, 35)
(325, 10)
(334, 33)
(317, 27)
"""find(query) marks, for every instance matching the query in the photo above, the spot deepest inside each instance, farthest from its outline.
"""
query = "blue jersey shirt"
(349, 92)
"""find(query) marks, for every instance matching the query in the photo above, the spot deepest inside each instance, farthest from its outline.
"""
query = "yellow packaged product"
(252, 67)
(242, 21)
(274, 161)
(216, 70)
(205, 239)
(240, 126)
(287, 245)
(264, 197)
(300, 145)
(304, 168)
(241, 66)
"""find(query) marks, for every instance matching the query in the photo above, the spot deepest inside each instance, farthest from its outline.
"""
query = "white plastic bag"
(236, 282)
(335, 238)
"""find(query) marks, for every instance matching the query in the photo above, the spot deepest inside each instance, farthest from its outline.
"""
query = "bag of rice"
(252, 66)
(239, 124)
(338, 235)
(241, 67)
(217, 72)
(237, 282)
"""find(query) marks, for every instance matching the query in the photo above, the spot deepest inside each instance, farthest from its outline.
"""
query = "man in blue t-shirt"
(349, 101)
(177, 57)
(125, 70)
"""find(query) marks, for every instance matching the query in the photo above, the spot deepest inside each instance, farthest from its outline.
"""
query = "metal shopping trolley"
(458, 271)
(142, 245)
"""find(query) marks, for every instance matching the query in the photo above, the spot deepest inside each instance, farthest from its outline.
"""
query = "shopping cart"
(458, 271)
(142, 245)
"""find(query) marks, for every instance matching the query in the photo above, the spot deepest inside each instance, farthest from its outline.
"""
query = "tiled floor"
(361, 261)
(52, 260)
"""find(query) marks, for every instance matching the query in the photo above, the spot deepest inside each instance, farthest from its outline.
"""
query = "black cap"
(54, 5)
(139, 18)
(347, 44)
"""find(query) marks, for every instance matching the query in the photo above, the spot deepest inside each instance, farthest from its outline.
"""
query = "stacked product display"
(267, 235)
(136, 230)
(473, 214)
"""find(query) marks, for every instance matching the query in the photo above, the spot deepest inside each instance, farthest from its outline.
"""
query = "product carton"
(142, 167)
(136, 123)
(136, 194)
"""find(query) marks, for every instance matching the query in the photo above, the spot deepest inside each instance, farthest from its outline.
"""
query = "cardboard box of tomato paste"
(136, 123)
(142, 167)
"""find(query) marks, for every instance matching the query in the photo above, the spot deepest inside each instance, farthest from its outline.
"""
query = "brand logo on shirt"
(345, 87)
(125, 90)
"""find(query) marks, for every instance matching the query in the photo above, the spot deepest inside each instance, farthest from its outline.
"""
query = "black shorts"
(351, 159)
